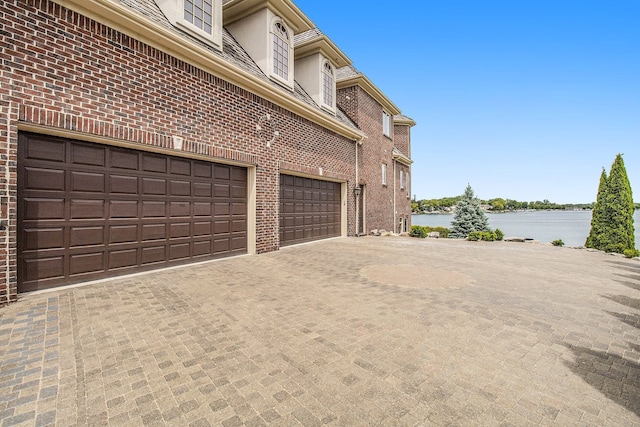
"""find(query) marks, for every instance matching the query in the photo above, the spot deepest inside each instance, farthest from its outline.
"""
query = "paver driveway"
(354, 331)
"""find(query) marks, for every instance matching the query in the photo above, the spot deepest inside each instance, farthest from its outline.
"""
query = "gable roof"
(314, 41)
(349, 76)
(400, 119)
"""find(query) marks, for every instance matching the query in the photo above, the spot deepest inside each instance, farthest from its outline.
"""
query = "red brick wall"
(63, 70)
(402, 139)
(376, 150)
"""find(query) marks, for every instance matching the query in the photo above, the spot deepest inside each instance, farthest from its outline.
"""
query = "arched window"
(327, 84)
(281, 51)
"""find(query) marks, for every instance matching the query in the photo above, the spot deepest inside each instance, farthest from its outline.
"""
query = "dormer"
(266, 30)
(316, 62)
(199, 18)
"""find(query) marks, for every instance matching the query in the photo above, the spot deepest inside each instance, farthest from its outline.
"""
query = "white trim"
(290, 57)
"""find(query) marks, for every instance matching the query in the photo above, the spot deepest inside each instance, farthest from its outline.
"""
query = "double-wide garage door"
(87, 211)
(310, 209)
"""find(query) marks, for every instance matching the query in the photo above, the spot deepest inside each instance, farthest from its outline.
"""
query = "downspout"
(357, 194)
(394, 196)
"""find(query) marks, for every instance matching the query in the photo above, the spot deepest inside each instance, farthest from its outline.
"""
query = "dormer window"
(328, 85)
(281, 51)
(199, 18)
(200, 14)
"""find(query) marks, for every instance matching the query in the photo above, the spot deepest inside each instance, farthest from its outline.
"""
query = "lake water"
(546, 226)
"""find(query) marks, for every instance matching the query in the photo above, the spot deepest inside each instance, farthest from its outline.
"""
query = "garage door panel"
(144, 210)
(221, 227)
(87, 182)
(202, 189)
(154, 232)
(40, 209)
(202, 170)
(86, 263)
(179, 230)
(123, 258)
(43, 268)
(180, 166)
(153, 254)
(179, 188)
(123, 233)
(86, 236)
(222, 191)
(123, 209)
(221, 245)
(44, 179)
(91, 155)
(179, 209)
(154, 209)
(222, 172)
(154, 163)
(123, 184)
(202, 209)
(239, 225)
(43, 238)
(154, 186)
(238, 192)
(86, 209)
(179, 251)
(222, 209)
(201, 228)
(201, 248)
(308, 209)
(46, 149)
(124, 159)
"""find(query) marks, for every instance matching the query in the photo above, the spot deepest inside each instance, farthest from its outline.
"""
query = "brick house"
(139, 134)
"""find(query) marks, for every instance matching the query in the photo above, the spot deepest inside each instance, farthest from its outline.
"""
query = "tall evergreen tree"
(612, 225)
(597, 232)
(469, 216)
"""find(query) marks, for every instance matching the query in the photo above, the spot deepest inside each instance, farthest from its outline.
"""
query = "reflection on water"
(570, 226)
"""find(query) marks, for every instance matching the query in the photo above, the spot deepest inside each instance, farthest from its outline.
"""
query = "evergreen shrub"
(488, 236)
(418, 231)
(499, 234)
(557, 242)
(632, 253)
(421, 231)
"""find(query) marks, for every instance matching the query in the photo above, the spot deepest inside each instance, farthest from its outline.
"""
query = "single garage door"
(87, 211)
(309, 209)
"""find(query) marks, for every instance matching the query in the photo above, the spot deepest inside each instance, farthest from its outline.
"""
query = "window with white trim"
(200, 14)
(401, 180)
(328, 85)
(386, 123)
(384, 174)
(406, 184)
(281, 51)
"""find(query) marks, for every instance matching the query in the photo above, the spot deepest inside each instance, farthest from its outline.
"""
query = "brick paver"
(357, 331)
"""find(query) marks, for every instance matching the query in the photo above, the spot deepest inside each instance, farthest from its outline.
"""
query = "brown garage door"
(309, 209)
(87, 211)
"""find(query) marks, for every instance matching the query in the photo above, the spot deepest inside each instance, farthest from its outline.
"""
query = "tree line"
(499, 204)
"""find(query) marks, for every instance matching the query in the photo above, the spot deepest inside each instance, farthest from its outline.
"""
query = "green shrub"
(422, 231)
(632, 253)
(488, 236)
(418, 231)
(499, 234)
(557, 242)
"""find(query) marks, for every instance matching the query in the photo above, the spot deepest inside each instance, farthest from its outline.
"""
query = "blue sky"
(522, 99)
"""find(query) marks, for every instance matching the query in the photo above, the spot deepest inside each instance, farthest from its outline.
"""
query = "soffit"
(235, 10)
